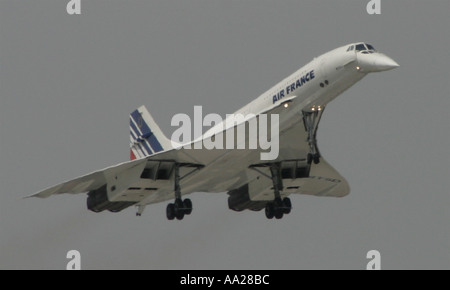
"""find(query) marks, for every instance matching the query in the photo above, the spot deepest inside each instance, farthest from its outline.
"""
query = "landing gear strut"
(180, 207)
(279, 206)
(311, 120)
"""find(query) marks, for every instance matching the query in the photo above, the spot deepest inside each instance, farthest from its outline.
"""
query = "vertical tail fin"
(146, 138)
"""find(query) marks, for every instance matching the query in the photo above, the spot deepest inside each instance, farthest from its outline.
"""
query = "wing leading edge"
(94, 180)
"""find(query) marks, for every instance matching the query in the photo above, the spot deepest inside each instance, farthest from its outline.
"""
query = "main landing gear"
(311, 121)
(180, 207)
(279, 206)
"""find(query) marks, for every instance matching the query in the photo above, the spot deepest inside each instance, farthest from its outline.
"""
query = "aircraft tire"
(270, 211)
(179, 209)
(278, 214)
(187, 204)
(170, 211)
(287, 205)
(179, 214)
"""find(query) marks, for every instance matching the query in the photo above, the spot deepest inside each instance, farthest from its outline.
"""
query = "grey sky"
(68, 84)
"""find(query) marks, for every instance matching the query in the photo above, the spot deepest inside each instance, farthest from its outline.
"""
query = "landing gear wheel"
(170, 211)
(178, 204)
(179, 214)
(287, 205)
(270, 211)
(278, 213)
(187, 204)
(179, 209)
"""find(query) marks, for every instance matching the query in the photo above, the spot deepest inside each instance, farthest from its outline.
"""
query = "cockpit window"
(360, 47)
(351, 48)
(370, 47)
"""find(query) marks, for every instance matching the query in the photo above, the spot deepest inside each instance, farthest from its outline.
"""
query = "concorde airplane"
(159, 172)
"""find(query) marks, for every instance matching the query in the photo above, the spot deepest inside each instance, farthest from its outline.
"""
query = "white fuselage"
(311, 87)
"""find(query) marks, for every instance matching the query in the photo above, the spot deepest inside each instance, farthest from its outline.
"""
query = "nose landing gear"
(311, 121)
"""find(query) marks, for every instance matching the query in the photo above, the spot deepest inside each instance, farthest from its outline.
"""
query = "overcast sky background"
(68, 84)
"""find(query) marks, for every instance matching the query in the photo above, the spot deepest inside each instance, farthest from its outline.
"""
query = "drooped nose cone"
(384, 62)
(376, 62)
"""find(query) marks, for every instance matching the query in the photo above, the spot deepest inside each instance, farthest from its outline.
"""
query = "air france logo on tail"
(141, 122)
(142, 140)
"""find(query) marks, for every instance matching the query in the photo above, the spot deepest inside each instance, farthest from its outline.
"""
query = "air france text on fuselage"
(294, 86)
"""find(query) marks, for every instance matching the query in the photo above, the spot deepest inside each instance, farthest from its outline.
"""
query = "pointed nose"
(384, 63)
(376, 62)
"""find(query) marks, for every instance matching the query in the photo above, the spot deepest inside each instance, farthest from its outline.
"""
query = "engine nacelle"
(97, 201)
(239, 200)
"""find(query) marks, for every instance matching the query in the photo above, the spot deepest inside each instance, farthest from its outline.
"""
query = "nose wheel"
(313, 157)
